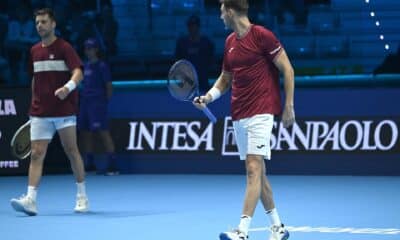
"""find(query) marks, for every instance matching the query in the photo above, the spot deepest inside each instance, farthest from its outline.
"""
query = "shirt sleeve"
(71, 58)
(225, 64)
(270, 45)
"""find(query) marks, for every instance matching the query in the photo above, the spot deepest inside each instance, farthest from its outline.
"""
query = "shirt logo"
(231, 49)
(51, 56)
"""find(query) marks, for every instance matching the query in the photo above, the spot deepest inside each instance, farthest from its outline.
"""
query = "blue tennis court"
(201, 206)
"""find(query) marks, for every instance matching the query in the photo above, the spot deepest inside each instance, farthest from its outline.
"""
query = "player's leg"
(66, 128)
(253, 187)
(253, 174)
(42, 131)
(278, 231)
(266, 192)
(252, 196)
(39, 149)
(253, 190)
(256, 128)
(68, 140)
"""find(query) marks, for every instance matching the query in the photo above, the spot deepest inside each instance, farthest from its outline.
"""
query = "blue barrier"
(354, 120)
(345, 125)
(360, 80)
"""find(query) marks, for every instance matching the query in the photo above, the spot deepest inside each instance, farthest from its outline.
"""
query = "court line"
(306, 229)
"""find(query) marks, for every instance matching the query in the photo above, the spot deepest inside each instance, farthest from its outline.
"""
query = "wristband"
(71, 85)
(214, 93)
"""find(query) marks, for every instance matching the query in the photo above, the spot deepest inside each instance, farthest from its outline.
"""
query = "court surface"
(199, 207)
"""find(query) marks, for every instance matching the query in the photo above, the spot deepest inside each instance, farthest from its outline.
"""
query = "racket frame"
(13, 142)
(194, 93)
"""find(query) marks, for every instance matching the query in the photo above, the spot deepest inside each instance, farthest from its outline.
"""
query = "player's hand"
(61, 93)
(288, 117)
(201, 101)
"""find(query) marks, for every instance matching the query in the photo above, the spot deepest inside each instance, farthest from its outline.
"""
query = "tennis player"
(253, 60)
(56, 70)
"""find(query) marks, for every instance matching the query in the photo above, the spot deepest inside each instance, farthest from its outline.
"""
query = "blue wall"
(347, 125)
(362, 103)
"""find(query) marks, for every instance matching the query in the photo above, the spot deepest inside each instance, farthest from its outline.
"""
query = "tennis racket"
(183, 84)
(21, 141)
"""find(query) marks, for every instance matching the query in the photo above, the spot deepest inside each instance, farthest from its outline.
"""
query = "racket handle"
(209, 114)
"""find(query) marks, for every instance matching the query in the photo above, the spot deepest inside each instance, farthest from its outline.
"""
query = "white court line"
(379, 231)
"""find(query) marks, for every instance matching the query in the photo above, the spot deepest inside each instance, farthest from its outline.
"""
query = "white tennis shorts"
(43, 128)
(253, 135)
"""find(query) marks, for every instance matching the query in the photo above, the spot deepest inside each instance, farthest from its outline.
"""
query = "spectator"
(20, 37)
(5, 77)
(198, 49)
(295, 7)
(95, 93)
(64, 28)
(4, 8)
(107, 28)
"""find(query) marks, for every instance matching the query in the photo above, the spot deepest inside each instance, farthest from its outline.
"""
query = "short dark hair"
(45, 11)
(240, 6)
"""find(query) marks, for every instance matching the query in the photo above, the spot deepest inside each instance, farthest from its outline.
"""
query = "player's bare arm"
(282, 62)
(222, 85)
(76, 78)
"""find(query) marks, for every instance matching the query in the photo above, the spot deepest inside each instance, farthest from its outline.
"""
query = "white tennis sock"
(81, 189)
(244, 224)
(274, 217)
(32, 192)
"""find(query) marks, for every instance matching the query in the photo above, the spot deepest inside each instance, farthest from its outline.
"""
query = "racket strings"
(182, 82)
(21, 144)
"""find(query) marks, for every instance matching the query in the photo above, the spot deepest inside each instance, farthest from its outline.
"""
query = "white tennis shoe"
(279, 232)
(233, 235)
(24, 204)
(82, 204)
